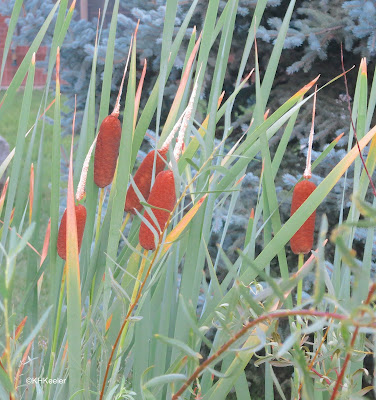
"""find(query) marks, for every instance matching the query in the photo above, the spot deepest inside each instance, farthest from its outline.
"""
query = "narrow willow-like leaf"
(179, 345)
(223, 386)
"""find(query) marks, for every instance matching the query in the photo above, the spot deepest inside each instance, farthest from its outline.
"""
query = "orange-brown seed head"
(162, 195)
(302, 241)
(142, 179)
(107, 151)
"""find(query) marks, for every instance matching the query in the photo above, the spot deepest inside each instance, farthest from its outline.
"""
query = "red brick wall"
(20, 52)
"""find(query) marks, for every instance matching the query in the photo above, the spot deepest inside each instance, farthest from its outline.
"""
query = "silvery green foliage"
(318, 24)
(363, 21)
(246, 7)
(78, 50)
(76, 59)
(31, 18)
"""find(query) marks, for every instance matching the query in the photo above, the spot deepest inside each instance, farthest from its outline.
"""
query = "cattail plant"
(108, 141)
(143, 176)
(162, 196)
(144, 173)
(80, 209)
(142, 179)
(302, 241)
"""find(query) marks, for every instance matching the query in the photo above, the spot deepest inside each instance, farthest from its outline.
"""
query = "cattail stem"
(300, 283)
(307, 172)
(116, 111)
(99, 217)
(138, 94)
(126, 219)
(299, 302)
(139, 276)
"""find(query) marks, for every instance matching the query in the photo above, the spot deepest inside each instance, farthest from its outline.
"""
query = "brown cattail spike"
(302, 241)
(162, 195)
(62, 235)
(107, 151)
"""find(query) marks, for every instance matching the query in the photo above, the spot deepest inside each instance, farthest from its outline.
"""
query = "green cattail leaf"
(73, 289)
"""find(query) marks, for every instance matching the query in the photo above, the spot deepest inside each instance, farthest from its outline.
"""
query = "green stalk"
(300, 283)
(126, 219)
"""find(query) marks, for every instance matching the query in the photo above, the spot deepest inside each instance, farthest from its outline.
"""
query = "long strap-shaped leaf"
(73, 288)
